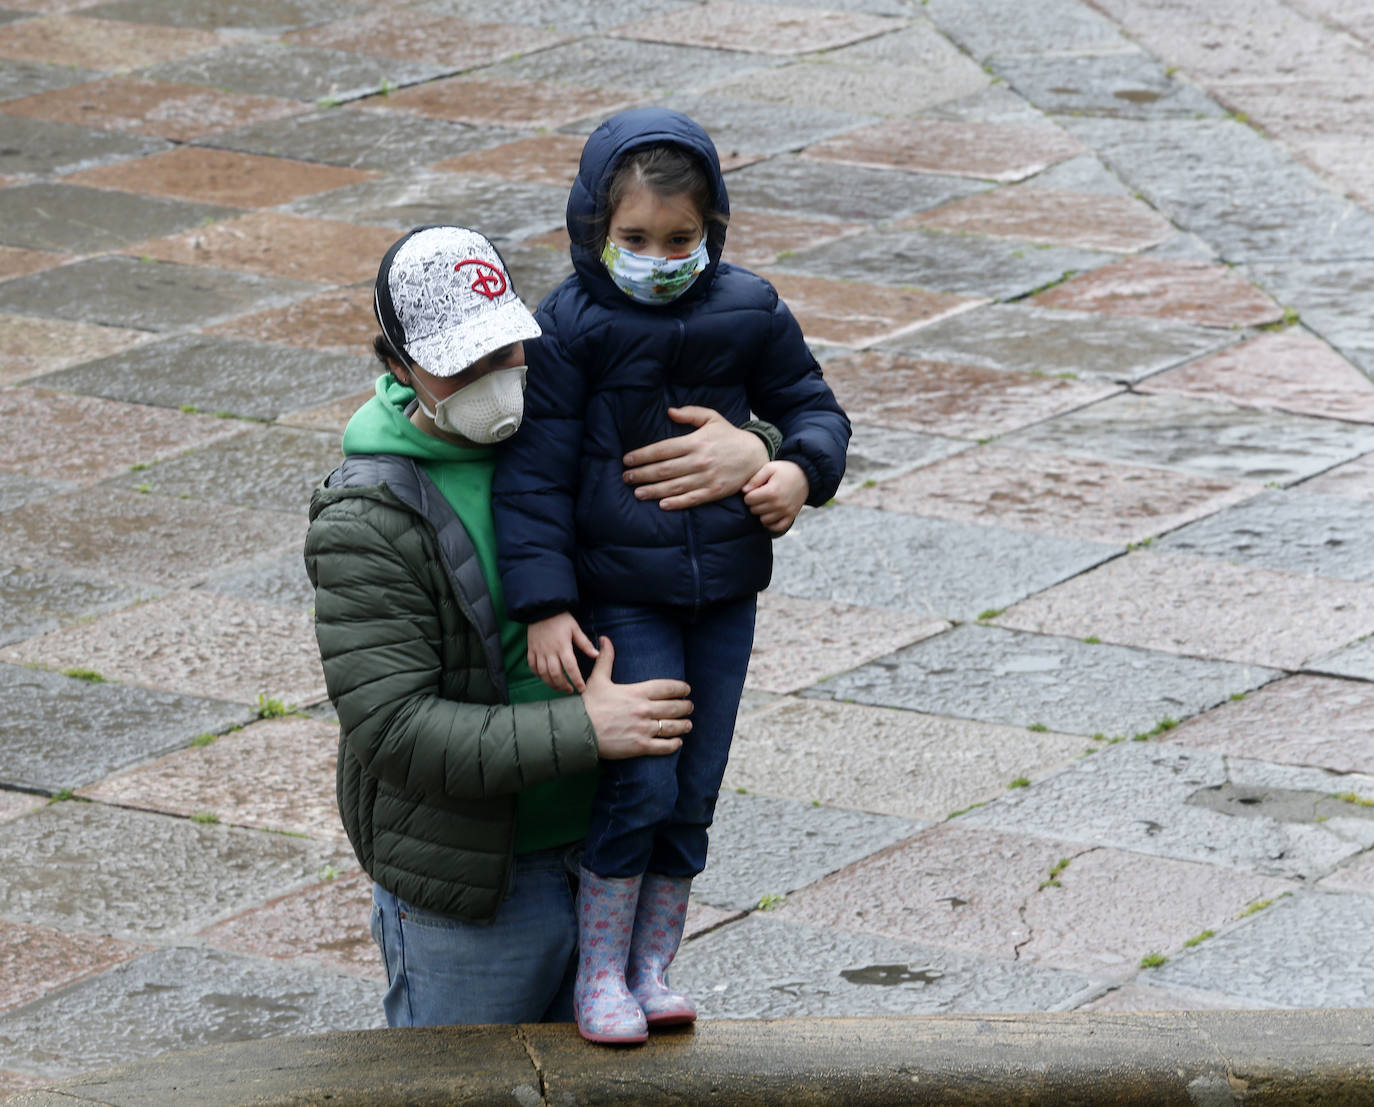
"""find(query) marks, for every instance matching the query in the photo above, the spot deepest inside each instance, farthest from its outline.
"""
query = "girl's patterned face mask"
(650, 280)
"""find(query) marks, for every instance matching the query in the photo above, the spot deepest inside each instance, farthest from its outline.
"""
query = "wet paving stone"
(852, 312)
(766, 967)
(277, 774)
(548, 159)
(105, 44)
(996, 675)
(988, 28)
(1301, 720)
(1289, 370)
(1356, 660)
(506, 101)
(41, 599)
(1037, 340)
(1198, 436)
(872, 558)
(18, 262)
(1164, 288)
(38, 425)
(180, 998)
(217, 375)
(265, 17)
(1294, 532)
(1030, 900)
(278, 579)
(50, 216)
(1333, 299)
(1256, 961)
(63, 732)
(155, 296)
(14, 805)
(771, 30)
(29, 346)
(760, 238)
(799, 641)
(1138, 997)
(880, 453)
(194, 643)
(566, 15)
(20, 78)
(967, 401)
(743, 129)
(418, 35)
(35, 960)
(1354, 876)
(1070, 497)
(1203, 608)
(766, 846)
(332, 417)
(1139, 797)
(1126, 86)
(340, 319)
(904, 763)
(20, 488)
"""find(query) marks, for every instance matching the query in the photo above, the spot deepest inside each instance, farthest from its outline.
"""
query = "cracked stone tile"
(903, 763)
(546, 158)
(1063, 684)
(419, 35)
(340, 319)
(29, 346)
(772, 30)
(1119, 85)
(506, 101)
(68, 217)
(857, 314)
(1203, 608)
(103, 44)
(194, 643)
(35, 960)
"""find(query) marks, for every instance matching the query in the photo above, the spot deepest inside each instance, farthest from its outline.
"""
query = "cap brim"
(449, 352)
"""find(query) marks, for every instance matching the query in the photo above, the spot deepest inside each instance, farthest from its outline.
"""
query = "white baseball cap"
(444, 298)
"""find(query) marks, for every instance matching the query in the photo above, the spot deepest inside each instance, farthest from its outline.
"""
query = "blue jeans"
(520, 967)
(651, 813)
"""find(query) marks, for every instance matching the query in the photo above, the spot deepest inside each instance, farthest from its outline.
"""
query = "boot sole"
(613, 1039)
(672, 1018)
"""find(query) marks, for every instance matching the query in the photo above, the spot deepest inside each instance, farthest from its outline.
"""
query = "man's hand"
(776, 493)
(551, 654)
(708, 464)
(635, 720)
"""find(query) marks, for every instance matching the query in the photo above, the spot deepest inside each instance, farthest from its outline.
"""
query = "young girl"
(652, 321)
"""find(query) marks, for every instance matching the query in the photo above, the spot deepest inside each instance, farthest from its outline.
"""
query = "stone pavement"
(1063, 704)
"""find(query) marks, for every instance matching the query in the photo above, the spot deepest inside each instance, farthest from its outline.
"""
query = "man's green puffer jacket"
(431, 756)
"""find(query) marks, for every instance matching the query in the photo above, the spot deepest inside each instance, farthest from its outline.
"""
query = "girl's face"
(658, 226)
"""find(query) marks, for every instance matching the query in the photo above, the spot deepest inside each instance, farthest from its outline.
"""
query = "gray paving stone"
(768, 846)
(20, 488)
(1334, 299)
(910, 563)
(167, 878)
(266, 17)
(212, 374)
(1084, 173)
(503, 209)
(1038, 340)
(361, 138)
(1150, 798)
(988, 28)
(566, 15)
(1309, 950)
(1198, 436)
(788, 183)
(1006, 676)
(145, 295)
(1356, 660)
(61, 732)
(40, 598)
(279, 580)
(180, 998)
(28, 78)
(996, 104)
(748, 127)
(964, 263)
(535, 270)
(50, 216)
(877, 453)
(38, 146)
(1292, 531)
(1123, 86)
(770, 968)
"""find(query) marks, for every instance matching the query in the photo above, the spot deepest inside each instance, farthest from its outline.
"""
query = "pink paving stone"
(50, 7)
(758, 238)
(220, 177)
(963, 401)
(280, 245)
(423, 36)
(1166, 288)
(16, 804)
(333, 416)
(504, 102)
(196, 643)
(1354, 480)
(38, 427)
(850, 313)
(35, 960)
(340, 319)
(989, 151)
(12, 1083)
(175, 111)
(1202, 608)
(773, 29)
(30, 345)
(1135, 997)
(325, 922)
(1097, 501)
(985, 892)
(18, 262)
(1357, 875)
(1346, 159)
(107, 44)
(546, 159)
(1302, 720)
(277, 774)
(702, 917)
(799, 641)
(1290, 370)
(1095, 222)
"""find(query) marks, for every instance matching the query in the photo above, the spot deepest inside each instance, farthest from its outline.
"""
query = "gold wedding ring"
(659, 733)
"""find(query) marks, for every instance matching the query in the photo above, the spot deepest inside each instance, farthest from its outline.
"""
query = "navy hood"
(620, 135)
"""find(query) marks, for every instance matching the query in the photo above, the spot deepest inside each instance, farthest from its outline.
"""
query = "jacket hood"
(381, 426)
(620, 135)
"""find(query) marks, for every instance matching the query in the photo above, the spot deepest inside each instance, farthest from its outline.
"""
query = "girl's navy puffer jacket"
(601, 380)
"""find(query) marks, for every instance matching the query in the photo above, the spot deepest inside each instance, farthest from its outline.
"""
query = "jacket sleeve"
(534, 490)
(379, 634)
(787, 389)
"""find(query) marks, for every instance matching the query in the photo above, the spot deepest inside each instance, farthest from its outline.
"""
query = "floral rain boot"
(657, 934)
(606, 1011)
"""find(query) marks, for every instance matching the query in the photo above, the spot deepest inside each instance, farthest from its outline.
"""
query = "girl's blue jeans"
(652, 813)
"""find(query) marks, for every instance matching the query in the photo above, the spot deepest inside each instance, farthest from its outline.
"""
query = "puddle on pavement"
(1284, 805)
(887, 976)
(1138, 95)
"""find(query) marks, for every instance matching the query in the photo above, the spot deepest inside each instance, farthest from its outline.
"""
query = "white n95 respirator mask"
(486, 411)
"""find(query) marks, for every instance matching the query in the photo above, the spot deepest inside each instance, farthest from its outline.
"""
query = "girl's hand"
(551, 654)
(776, 493)
(635, 720)
(709, 464)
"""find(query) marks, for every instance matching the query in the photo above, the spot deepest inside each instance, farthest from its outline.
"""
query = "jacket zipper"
(689, 522)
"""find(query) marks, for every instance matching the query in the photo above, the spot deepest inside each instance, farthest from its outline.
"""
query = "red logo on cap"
(489, 281)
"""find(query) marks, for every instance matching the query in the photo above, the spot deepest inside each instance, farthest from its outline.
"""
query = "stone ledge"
(1199, 1059)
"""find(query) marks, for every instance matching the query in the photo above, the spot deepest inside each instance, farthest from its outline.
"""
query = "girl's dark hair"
(665, 171)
